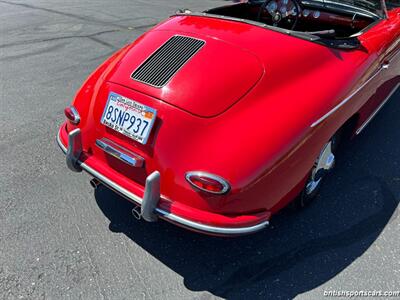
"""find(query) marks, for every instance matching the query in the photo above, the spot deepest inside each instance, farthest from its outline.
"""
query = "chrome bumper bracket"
(74, 150)
(151, 197)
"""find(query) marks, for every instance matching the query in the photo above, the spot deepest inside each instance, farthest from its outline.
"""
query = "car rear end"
(127, 166)
(142, 123)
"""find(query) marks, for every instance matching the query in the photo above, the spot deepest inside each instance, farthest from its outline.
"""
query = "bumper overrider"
(149, 208)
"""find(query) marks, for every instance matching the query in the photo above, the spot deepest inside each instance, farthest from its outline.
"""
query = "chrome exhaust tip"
(95, 183)
(136, 212)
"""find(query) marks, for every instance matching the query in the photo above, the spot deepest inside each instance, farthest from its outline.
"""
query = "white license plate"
(129, 117)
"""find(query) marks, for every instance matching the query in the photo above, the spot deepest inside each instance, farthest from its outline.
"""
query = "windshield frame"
(381, 13)
(343, 6)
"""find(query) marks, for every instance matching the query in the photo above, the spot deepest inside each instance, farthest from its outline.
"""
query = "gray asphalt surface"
(60, 240)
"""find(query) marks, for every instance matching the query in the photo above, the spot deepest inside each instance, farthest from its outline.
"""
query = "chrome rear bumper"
(150, 211)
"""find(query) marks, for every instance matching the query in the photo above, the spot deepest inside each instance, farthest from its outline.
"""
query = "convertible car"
(215, 121)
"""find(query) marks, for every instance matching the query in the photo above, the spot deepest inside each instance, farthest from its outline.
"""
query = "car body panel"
(264, 140)
(386, 41)
(191, 95)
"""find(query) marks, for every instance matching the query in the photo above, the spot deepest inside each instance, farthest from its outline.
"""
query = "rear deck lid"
(201, 75)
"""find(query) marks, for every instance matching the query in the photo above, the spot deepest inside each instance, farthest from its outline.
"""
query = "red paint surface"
(242, 109)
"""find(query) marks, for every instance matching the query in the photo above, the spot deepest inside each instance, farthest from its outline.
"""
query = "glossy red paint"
(246, 108)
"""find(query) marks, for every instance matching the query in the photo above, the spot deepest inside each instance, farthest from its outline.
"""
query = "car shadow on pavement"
(301, 250)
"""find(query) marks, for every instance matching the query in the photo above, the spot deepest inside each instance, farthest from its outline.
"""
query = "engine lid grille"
(163, 64)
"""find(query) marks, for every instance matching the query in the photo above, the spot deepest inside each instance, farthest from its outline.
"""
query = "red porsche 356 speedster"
(215, 121)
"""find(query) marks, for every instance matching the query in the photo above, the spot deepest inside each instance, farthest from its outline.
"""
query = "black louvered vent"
(163, 64)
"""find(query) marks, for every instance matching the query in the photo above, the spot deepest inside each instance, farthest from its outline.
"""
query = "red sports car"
(215, 121)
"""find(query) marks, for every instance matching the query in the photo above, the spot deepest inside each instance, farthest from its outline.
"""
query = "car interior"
(314, 17)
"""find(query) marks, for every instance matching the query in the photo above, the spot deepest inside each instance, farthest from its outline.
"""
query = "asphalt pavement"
(61, 240)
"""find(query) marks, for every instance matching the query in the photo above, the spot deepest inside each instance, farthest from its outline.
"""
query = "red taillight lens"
(72, 115)
(208, 182)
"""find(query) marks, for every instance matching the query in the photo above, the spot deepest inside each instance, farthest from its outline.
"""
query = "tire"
(322, 167)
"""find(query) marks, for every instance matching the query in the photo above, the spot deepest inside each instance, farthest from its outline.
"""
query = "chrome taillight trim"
(77, 117)
(222, 181)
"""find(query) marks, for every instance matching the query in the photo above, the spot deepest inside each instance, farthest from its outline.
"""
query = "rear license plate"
(129, 117)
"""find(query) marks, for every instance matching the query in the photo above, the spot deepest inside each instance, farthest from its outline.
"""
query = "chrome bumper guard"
(149, 209)
(74, 150)
(151, 197)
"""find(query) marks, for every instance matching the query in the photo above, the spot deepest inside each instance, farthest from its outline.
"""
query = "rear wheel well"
(342, 136)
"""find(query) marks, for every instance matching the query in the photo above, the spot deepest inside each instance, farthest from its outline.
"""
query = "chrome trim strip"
(395, 55)
(120, 153)
(372, 116)
(323, 118)
(384, 9)
(164, 214)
